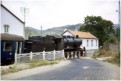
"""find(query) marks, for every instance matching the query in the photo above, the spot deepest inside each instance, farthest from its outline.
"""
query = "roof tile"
(82, 34)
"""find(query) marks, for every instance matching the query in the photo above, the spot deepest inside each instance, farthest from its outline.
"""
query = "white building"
(89, 41)
(10, 23)
(12, 35)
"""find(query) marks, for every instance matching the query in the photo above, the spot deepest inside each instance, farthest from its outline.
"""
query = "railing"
(51, 55)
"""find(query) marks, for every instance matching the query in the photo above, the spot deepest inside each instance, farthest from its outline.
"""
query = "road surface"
(77, 69)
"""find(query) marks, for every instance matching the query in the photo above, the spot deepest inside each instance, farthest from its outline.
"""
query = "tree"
(99, 27)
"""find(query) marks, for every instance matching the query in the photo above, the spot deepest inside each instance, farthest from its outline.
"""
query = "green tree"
(99, 27)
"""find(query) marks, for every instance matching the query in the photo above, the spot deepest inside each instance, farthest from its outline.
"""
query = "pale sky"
(55, 13)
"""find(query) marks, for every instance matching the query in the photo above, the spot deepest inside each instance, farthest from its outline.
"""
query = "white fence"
(51, 55)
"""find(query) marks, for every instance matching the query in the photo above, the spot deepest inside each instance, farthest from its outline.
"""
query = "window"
(91, 42)
(6, 28)
(87, 43)
(8, 46)
(68, 36)
(96, 42)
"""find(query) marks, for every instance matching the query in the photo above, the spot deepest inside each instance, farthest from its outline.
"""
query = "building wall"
(15, 26)
(92, 44)
(67, 34)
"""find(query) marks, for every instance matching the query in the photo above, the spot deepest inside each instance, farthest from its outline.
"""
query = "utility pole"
(119, 16)
(119, 24)
(41, 30)
(1, 2)
(24, 12)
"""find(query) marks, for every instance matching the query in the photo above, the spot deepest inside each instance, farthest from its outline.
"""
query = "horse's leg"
(65, 55)
(70, 55)
(73, 54)
(77, 54)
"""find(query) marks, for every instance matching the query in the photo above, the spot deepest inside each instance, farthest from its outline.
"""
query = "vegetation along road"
(77, 69)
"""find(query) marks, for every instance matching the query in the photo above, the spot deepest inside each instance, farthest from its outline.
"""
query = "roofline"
(68, 31)
(79, 37)
(88, 38)
(12, 14)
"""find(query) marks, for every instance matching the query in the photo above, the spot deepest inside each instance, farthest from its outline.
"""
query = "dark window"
(6, 28)
(96, 42)
(87, 43)
(64, 36)
(91, 42)
(7, 46)
(68, 36)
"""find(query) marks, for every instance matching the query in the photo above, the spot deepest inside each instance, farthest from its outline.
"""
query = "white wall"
(90, 47)
(15, 26)
(67, 34)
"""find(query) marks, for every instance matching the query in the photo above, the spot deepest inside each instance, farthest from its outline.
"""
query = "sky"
(55, 13)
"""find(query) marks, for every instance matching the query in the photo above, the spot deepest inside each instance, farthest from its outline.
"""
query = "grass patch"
(115, 57)
(31, 64)
(36, 63)
(14, 68)
(102, 53)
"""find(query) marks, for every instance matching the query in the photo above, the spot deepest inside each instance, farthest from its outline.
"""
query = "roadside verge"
(34, 70)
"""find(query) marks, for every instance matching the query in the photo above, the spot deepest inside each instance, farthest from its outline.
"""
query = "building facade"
(12, 36)
(10, 23)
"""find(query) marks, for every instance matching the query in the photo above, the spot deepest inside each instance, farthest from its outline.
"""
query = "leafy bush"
(112, 39)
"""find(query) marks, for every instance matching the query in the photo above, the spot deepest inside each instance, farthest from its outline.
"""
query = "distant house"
(89, 41)
(12, 35)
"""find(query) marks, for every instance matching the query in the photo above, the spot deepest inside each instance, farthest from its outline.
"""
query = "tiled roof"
(82, 34)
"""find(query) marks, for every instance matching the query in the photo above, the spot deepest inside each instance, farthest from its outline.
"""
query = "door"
(7, 52)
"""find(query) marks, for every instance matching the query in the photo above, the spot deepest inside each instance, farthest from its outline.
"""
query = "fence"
(26, 57)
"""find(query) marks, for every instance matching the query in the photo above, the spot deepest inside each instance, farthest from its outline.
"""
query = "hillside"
(29, 31)
(60, 30)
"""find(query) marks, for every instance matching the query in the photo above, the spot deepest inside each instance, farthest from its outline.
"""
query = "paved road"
(78, 69)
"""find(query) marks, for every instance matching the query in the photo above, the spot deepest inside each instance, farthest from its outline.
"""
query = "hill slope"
(29, 31)
(60, 30)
